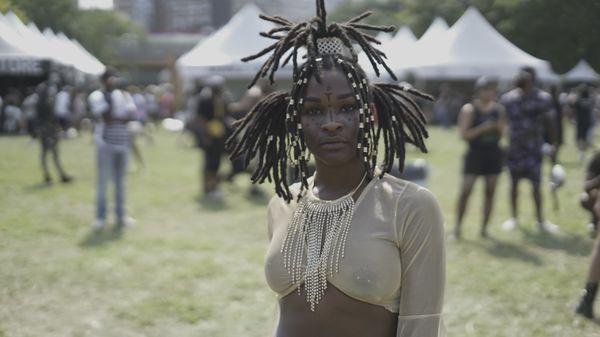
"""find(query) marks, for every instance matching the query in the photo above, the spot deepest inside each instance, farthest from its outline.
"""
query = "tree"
(94, 29)
(97, 30)
(8, 5)
(55, 14)
(559, 31)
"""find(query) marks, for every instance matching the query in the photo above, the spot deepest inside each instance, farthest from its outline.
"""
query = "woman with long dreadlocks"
(353, 251)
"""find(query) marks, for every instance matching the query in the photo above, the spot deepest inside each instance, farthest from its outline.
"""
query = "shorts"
(483, 161)
(532, 173)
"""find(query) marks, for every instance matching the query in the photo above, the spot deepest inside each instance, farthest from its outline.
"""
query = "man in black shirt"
(211, 115)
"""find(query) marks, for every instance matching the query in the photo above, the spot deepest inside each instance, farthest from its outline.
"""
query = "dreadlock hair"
(272, 132)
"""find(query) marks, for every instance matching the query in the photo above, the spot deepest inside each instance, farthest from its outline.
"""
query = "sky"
(104, 4)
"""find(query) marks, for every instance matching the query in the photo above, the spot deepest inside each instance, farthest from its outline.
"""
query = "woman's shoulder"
(280, 203)
(406, 192)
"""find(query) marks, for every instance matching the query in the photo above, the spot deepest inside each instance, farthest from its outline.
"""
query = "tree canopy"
(94, 29)
(559, 31)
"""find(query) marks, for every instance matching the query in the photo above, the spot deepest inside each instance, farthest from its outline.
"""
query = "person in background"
(113, 110)
(582, 103)
(590, 201)
(167, 101)
(558, 122)
(48, 130)
(211, 116)
(29, 107)
(62, 107)
(237, 111)
(12, 114)
(136, 126)
(529, 111)
(79, 106)
(441, 106)
(152, 106)
(481, 124)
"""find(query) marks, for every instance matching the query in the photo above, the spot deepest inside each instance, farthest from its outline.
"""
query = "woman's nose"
(331, 122)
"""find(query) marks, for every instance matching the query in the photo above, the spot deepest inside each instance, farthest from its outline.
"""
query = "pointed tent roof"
(400, 43)
(221, 53)
(384, 37)
(582, 72)
(17, 58)
(84, 62)
(435, 31)
(469, 49)
(438, 26)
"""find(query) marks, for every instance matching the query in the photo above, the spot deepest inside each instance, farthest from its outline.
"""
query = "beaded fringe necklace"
(321, 228)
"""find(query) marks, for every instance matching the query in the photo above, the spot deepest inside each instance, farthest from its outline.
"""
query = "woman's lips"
(333, 145)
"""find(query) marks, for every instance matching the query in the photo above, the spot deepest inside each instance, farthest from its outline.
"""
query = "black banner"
(18, 66)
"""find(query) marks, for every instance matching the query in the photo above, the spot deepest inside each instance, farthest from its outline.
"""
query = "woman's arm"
(421, 244)
(465, 120)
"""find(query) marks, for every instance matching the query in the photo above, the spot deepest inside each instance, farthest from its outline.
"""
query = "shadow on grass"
(36, 187)
(569, 243)
(506, 250)
(95, 238)
(211, 204)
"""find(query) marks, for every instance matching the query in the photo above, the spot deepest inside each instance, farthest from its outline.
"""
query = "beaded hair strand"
(272, 134)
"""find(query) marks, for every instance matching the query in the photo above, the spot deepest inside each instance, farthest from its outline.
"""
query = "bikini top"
(394, 254)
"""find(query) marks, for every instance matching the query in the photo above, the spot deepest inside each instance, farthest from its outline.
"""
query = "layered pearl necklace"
(321, 228)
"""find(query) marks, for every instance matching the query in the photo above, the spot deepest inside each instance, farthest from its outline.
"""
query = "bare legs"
(466, 189)
(490, 191)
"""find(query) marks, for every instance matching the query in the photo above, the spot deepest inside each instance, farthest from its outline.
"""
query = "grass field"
(194, 269)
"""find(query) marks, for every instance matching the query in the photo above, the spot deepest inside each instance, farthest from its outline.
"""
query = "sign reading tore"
(21, 66)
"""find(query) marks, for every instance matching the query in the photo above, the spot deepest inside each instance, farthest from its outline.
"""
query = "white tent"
(221, 53)
(384, 37)
(83, 61)
(392, 47)
(45, 48)
(17, 58)
(582, 72)
(400, 54)
(469, 49)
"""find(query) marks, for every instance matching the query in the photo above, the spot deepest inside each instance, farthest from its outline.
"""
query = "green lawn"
(193, 269)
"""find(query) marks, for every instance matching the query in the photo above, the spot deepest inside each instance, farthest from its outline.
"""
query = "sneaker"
(66, 179)
(215, 196)
(510, 224)
(585, 309)
(48, 180)
(125, 222)
(547, 227)
(98, 225)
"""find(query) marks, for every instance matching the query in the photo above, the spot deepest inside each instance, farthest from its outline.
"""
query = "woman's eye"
(313, 111)
(349, 108)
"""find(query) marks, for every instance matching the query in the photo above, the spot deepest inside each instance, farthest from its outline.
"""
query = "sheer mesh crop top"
(394, 254)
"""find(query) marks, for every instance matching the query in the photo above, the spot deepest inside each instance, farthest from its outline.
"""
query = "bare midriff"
(337, 315)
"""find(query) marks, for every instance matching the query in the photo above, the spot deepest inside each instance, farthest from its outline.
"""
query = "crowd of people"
(355, 249)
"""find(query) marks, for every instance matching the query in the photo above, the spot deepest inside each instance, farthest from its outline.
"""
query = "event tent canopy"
(582, 72)
(400, 54)
(469, 49)
(49, 46)
(399, 43)
(221, 53)
(17, 58)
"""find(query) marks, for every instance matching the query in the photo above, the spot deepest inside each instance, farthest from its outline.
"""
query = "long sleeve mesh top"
(394, 254)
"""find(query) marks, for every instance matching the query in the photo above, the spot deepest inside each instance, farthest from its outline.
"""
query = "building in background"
(173, 27)
(204, 16)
